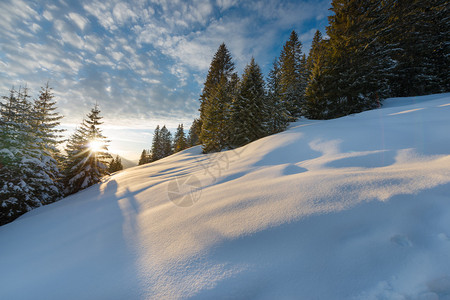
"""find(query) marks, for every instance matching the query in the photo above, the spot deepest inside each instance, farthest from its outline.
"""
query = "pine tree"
(216, 98)
(249, 113)
(179, 141)
(115, 165)
(279, 116)
(293, 78)
(145, 157)
(87, 156)
(194, 133)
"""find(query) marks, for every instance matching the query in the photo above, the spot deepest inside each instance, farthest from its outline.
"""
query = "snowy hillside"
(351, 208)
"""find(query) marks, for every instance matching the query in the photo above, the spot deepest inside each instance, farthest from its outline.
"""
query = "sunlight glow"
(96, 146)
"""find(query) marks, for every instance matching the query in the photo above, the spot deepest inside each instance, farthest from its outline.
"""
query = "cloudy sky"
(143, 61)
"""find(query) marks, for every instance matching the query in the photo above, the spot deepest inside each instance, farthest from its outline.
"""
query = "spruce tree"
(278, 114)
(216, 98)
(21, 170)
(156, 151)
(166, 142)
(249, 113)
(358, 58)
(179, 141)
(115, 165)
(314, 52)
(45, 125)
(145, 157)
(293, 78)
(194, 133)
(317, 105)
(87, 154)
(420, 31)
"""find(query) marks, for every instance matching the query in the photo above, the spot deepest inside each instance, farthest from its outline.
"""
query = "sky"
(143, 61)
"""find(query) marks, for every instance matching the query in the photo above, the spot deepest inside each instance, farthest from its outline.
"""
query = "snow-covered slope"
(352, 208)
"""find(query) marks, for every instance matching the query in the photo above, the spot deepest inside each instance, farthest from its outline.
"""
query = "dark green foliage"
(249, 111)
(45, 123)
(156, 152)
(166, 142)
(29, 171)
(194, 133)
(179, 141)
(278, 115)
(115, 165)
(420, 32)
(357, 61)
(161, 144)
(378, 49)
(216, 98)
(18, 157)
(314, 52)
(145, 157)
(293, 76)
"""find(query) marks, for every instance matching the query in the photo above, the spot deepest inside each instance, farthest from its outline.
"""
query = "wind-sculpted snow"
(351, 208)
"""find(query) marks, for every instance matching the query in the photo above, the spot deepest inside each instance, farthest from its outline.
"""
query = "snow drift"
(351, 208)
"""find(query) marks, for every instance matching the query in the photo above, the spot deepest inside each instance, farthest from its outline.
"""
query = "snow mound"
(352, 208)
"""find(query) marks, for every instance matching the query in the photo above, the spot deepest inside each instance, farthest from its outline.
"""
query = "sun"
(96, 146)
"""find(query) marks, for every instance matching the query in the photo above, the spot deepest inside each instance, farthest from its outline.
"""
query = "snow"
(352, 208)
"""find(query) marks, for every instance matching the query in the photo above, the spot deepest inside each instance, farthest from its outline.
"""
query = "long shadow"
(291, 151)
(335, 255)
(78, 247)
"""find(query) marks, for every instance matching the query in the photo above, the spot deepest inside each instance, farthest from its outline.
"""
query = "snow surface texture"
(351, 208)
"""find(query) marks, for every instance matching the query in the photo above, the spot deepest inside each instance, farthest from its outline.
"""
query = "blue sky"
(143, 61)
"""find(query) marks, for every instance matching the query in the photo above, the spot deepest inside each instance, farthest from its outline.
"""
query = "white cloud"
(68, 36)
(226, 4)
(103, 60)
(48, 15)
(102, 11)
(117, 55)
(151, 81)
(78, 20)
(181, 73)
(14, 13)
(92, 43)
(122, 13)
(35, 27)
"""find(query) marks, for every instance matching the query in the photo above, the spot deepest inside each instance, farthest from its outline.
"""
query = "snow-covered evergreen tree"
(21, 171)
(45, 128)
(420, 32)
(87, 154)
